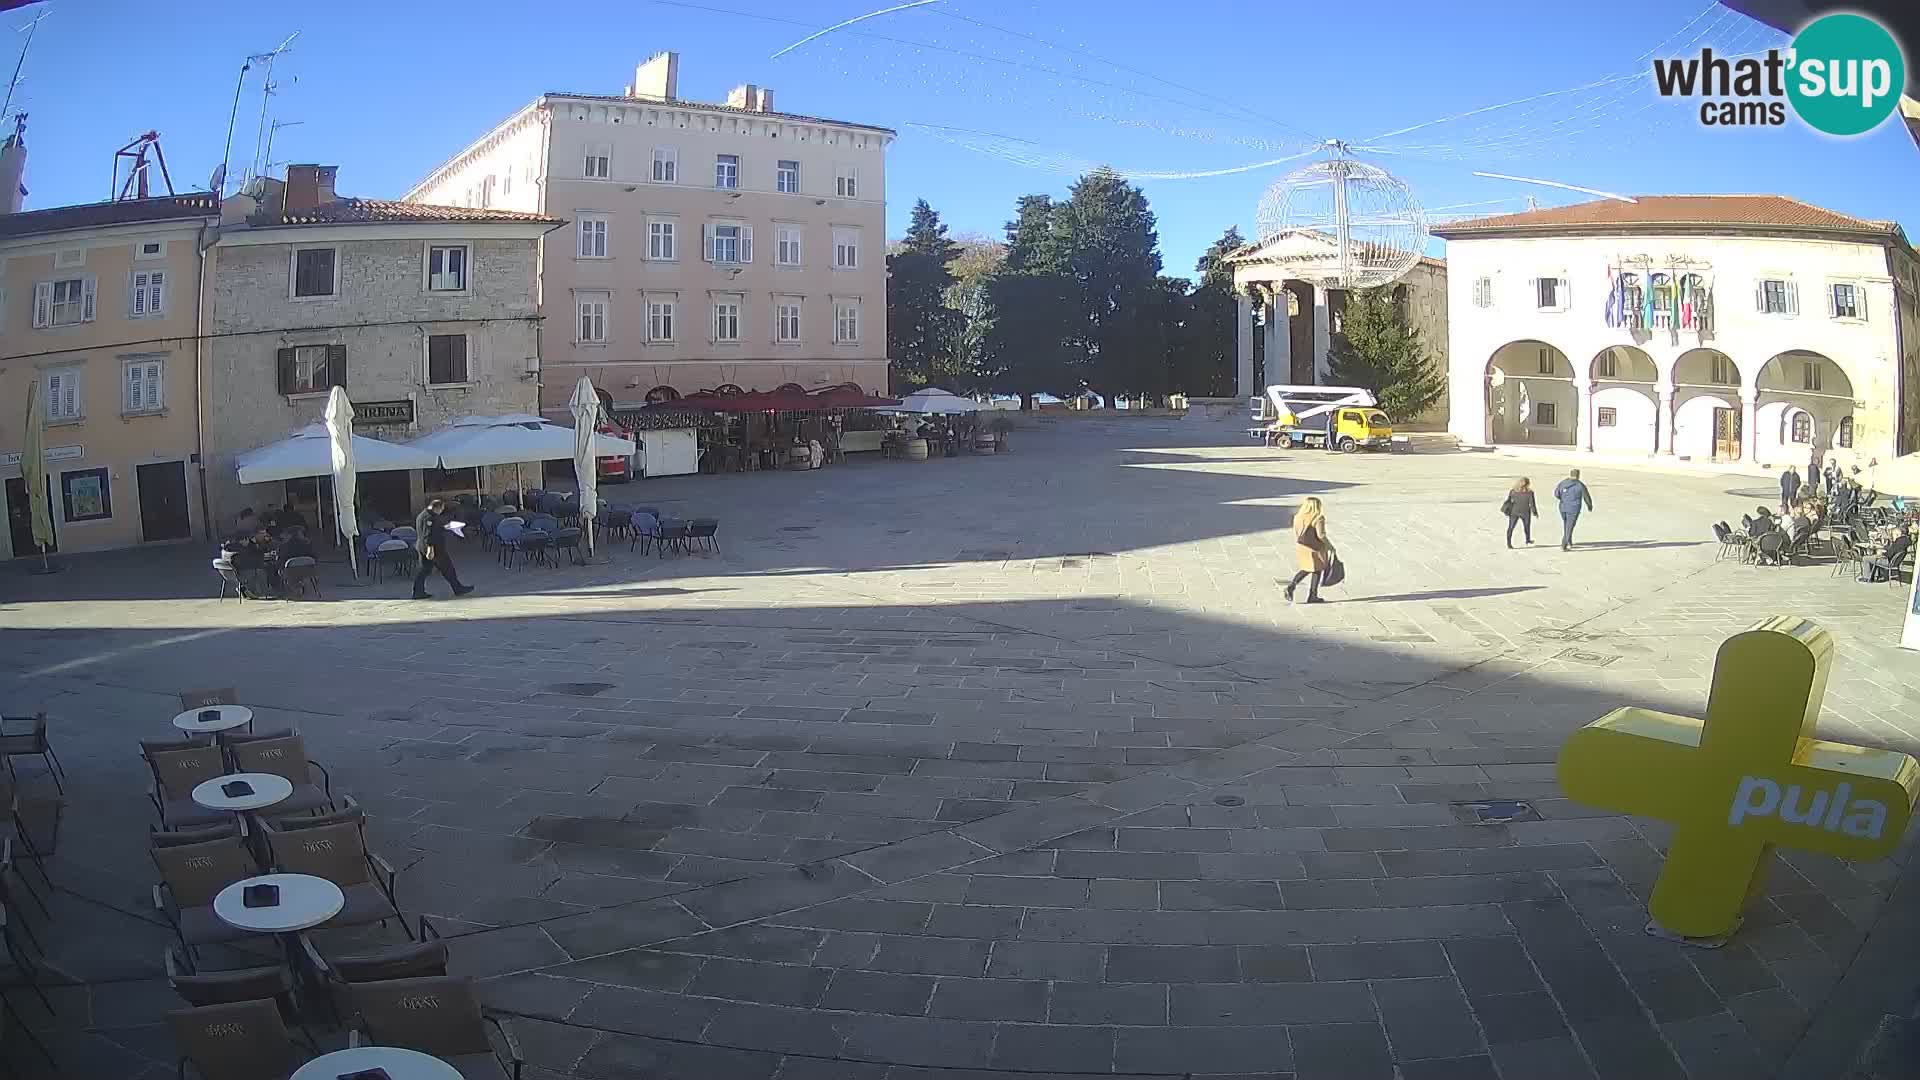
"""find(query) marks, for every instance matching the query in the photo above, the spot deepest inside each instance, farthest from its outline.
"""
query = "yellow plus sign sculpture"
(1749, 777)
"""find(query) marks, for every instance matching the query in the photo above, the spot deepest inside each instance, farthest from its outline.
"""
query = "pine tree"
(920, 325)
(1378, 350)
(1206, 361)
(1113, 255)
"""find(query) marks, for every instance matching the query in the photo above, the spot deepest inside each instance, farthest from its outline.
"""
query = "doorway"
(20, 518)
(386, 495)
(163, 502)
(1726, 435)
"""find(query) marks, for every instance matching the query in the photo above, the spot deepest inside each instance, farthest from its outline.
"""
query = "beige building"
(707, 245)
(99, 303)
(424, 313)
(1286, 325)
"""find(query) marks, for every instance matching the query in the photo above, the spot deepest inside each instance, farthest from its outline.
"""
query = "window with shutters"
(1549, 294)
(786, 321)
(315, 273)
(1547, 366)
(1810, 376)
(591, 321)
(447, 360)
(660, 320)
(661, 241)
(666, 165)
(846, 249)
(599, 162)
(66, 302)
(726, 320)
(147, 294)
(726, 171)
(1483, 292)
(786, 177)
(1607, 366)
(846, 181)
(145, 385)
(1777, 297)
(1844, 300)
(786, 248)
(312, 369)
(593, 236)
(846, 322)
(729, 243)
(447, 268)
(64, 403)
(1724, 373)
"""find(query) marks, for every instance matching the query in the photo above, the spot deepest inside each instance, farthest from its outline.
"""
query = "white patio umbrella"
(934, 401)
(345, 482)
(509, 439)
(586, 472)
(309, 452)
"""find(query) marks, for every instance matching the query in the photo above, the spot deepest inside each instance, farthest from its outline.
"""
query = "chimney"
(13, 167)
(658, 77)
(309, 186)
(741, 97)
(766, 101)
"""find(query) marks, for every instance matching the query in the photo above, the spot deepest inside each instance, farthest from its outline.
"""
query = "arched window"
(661, 394)
(1802, 427)
(1846, 433)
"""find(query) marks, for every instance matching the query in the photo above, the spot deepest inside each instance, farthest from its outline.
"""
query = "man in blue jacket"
(1573, 496)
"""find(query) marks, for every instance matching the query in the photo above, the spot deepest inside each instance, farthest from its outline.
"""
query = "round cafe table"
(400, 1064)
(267, 790)
(228, 718)
(305, 902)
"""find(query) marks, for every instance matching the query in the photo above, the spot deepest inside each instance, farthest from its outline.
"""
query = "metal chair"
(191, 875)
(270, 982)
(545, 522)
(672, 532)
(643, 528)
(176, 771)
(405, 532)
(228, 579)
(285, 756)
(507, 538)
(32, 743)
(438, 1015)
(533, 547)
(339, 853)
(301, 574)
(240, 1040)
(424, 958)
(569, 540)
(702, 532)
(395, 555)
(489, 521)
(200, 699)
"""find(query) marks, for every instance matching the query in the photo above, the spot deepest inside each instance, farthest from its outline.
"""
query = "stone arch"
(1531, 397)
(1625, 405)
(1801, 400)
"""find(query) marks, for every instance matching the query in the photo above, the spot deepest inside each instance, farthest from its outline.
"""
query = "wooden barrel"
(916, 449)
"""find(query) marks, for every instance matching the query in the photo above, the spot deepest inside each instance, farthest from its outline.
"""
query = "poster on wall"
(1910, 631)
(86, 495)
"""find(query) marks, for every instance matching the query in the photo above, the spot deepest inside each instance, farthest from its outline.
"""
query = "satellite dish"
(1343, 223)
(217, 183)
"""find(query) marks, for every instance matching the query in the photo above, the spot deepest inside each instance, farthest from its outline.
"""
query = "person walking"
(1312, 551)
(1573, 496)
(1520, 509)
(431, 542)
(1813, 472)
(1789, 490)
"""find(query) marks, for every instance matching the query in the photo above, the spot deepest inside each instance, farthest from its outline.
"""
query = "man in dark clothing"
(431, 543)
(1813, 473)
(1573, 496)
(1789, 489)
(1884, 565)
(251, 563)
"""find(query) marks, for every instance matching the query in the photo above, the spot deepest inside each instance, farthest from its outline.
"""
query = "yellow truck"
(1343, 418)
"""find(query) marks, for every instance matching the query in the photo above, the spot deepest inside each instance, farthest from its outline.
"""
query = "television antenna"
(269, 163)
(267, 88)
(138, 170)
(13, 84)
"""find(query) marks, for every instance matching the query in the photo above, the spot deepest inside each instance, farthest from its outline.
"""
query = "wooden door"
(163, 502)
(1726, 435)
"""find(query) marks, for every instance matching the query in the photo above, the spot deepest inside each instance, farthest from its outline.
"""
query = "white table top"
(267, 790)
(400, 1064)
(305, 902)
(231, 716)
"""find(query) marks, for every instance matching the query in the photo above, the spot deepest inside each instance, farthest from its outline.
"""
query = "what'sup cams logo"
(1842, 74)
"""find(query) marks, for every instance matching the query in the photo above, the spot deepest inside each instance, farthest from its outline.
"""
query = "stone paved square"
(1015, 765)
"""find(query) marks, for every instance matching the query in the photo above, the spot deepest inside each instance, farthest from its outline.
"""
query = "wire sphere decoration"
(1342, 224)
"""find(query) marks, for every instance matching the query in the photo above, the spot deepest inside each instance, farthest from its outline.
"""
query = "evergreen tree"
(1033, 303)
(1113, 255)
(1377, 349)
(980, 259)
(1206, 364)
(920, 325)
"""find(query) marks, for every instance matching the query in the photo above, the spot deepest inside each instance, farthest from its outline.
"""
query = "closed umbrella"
(33, 470)
(586, 419)
(340, 436)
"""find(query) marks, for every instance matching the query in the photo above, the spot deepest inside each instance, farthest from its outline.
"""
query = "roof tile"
(1690, 211)
(392, 211)
(96, 215)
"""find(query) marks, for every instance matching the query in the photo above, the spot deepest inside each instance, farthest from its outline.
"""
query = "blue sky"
(389, 90)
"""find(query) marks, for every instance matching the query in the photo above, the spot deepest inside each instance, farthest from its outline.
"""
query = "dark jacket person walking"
(1573, 497)
(1520, 509)
(1789, 489)
(431, 543)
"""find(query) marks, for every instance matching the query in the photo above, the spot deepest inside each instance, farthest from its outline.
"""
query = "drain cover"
(1554, 633)
(1229, 800)
(1582, 656)
(1495, 811)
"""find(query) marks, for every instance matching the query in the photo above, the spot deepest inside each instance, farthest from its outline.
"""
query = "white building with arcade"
(1731, 328)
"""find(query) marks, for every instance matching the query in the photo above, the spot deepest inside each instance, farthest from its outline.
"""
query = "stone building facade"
(425, 314)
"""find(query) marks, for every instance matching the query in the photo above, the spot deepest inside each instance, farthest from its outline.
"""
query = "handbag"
(1335, 573)
(1506, 506)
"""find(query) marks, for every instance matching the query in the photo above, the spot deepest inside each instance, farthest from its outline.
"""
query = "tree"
(1112, 253)
(1205, 365)
(980, 259)
(920, 325)
(1033, 303)
(1377, 349)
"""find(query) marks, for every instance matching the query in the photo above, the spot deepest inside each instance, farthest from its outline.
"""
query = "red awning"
(779, 401)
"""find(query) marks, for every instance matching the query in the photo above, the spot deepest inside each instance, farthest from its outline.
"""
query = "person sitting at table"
(254, 563)
(244, 523)
(297, 545)
(1883, 566)
(288, 518)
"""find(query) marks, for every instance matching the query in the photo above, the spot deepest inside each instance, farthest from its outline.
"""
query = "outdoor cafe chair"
(510, 497)
(285, 756)
(191, 875)
(27, 969)
(703, 531)
(338, 853)
(568, 540)
(507, 539)
(200, 699)
(405, 532)
(489, 521)
(301, 574)
(438, 1015)
(544, 521)
(32, 743)
(240, 1040)
(672, 532)
(534, 547)
(424, 958)
(643, 528)
(200, 834)
(176, 772)
(395, 555)
(270, 982)
(1771, 549)
(229, 579)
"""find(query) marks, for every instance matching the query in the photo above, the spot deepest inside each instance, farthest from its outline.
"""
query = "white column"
(1663, 418)
(1243, 347)
(1749, 436)
(1583, 419)
(1279, 351)
(1322, 335)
